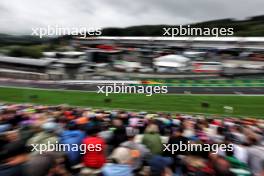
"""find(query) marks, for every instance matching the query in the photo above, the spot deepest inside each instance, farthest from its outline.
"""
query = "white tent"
(171, 60)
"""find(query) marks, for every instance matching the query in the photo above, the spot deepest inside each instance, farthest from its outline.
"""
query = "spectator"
(152, 139)
(119, 133)
(140, 153)
(133, 149)
(72, 136)
(256, 157)
(177, 139)
(40, 165)
(222, 167)
(159, 166)
(13, 156)
(46, 136)
(120, 163)
(94, 156)
(262, 170)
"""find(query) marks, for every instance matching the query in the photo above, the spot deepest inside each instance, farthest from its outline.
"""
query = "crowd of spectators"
(124, 143)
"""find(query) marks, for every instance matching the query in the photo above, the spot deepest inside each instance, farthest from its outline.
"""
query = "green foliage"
(21, 40)
(26, 51)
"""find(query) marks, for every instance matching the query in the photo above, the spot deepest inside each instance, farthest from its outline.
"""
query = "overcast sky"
(20, 16)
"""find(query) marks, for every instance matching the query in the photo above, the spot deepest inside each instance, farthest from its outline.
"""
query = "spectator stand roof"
(26, 61)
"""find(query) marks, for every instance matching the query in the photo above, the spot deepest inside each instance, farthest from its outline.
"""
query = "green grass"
(243, 105)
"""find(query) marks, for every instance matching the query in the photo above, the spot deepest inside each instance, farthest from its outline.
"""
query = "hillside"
(253, 26)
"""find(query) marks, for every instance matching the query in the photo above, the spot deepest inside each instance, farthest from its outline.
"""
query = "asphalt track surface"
(171, 90)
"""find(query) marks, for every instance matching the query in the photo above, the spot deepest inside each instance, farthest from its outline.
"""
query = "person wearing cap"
(160, 166)
(120, 163)
(139, 151)
(46, 137)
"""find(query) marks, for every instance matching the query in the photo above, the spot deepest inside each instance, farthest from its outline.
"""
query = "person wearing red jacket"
(94, 155)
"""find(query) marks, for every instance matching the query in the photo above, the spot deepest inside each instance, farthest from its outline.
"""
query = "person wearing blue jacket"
(73, 137)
